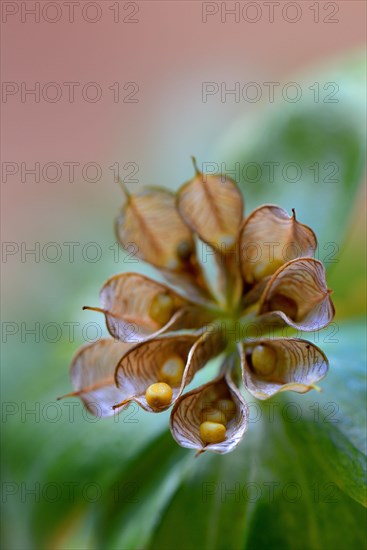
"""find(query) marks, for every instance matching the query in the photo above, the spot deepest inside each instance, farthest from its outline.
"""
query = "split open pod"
(212, 417)
(298, 294)
(92, 373)
(137, 307)
(269, 238)
(155, 373)
(272, 365)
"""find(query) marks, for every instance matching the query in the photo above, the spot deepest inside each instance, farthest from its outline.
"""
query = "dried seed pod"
(189, 429)
(92, 375)
(298, 294)
(212, 206)
(137, 307)
(150, 220)
(266, 225)
(142, 366)
(190, 284)
(270, 366)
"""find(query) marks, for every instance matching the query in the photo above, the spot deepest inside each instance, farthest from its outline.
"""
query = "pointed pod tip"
(124, 402)
(124, 188)
(71, 394)
(197, 171)
(200, 452)
(97, 309)
(294, 214)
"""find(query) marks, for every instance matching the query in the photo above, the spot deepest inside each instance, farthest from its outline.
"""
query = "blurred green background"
(72, 481)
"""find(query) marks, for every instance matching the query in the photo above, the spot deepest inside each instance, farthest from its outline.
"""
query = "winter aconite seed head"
(227, 407)
(212, 432)
(172, 370)
(154, 364)
(161, 308)
(159, 395)
(263, 360)
(210, 414)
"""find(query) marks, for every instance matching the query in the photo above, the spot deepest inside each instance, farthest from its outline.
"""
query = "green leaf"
(339, 413)
(250, 502)
(140, 494)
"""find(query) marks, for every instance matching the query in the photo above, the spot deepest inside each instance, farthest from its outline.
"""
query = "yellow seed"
(161, 308)
(217, 391)
(172, 370)
(227, 407)
(184, 250)
(264, 269)
(225, 241)
(172, 263)
(210, 414)
(212, 432)
(159, 395)
(263, 360)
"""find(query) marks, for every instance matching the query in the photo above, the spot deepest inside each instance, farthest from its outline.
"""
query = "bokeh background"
(70, 481)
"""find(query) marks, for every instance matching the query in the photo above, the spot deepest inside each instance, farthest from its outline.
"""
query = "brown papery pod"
(270, 238)
(150, 221)
(187, 415)
(191, 284)
(212, 206)
(92, 375)
(270, 366)
(298, 294)
(142, 366)
(137, 307)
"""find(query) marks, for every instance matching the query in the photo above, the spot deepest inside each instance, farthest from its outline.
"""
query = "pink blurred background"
(168, 52)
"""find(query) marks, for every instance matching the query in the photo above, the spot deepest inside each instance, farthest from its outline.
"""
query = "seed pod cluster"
(163, 334)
